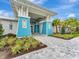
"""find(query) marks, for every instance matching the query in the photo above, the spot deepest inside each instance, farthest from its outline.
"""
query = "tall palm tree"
(55, 23)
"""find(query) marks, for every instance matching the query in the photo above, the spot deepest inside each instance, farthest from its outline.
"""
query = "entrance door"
(36, 28)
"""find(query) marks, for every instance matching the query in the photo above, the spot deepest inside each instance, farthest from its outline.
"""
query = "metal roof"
(8, 18)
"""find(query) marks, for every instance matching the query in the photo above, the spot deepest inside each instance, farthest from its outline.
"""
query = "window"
(10, 26)
(24, 23)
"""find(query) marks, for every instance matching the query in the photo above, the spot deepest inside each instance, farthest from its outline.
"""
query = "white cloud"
(66, 6)
(72, 15)
(6, 13)
(62, 7)
(38, 1)
(72, 1)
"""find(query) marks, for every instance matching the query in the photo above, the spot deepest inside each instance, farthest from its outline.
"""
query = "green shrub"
(19, 42)
(26, 46)
(10, 40)
(30, 41)
(1, 30)
(77, 32)
(17, 46)
(63, 30)
(27, 43)
(16, 49)
(2, 44)
(35, 44)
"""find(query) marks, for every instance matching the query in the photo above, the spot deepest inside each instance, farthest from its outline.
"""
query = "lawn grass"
(64, 36)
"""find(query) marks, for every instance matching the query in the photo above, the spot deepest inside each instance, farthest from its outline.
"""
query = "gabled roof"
(32, 5)
(38, 6)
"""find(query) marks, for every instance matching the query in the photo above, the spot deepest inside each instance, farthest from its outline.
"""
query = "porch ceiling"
(35, 16)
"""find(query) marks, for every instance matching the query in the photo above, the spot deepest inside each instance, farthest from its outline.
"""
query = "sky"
(63, 8)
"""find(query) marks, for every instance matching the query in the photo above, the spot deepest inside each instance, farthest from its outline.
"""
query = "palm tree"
(55, 23)
(72, 24)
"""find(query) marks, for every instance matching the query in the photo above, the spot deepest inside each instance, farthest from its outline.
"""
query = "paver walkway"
(57, 49)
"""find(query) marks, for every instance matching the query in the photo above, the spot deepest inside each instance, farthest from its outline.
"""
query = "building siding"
(5, 25)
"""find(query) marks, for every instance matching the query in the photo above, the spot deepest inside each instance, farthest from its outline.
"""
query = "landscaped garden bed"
(66, 29)
(16, 47)
(66, 36)
(63, 36)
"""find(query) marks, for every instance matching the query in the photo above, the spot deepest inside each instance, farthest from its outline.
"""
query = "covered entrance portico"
(31, 18)
(35, 21)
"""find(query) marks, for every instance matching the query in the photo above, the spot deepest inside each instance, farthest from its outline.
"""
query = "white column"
(22, 11)
(27, 12)
(19, 11)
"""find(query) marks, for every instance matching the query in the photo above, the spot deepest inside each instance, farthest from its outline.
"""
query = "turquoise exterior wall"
(36, 28)
(47, 28)
(23, 32)
(44, 28)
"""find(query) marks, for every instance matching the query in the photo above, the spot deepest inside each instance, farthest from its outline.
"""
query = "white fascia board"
(45, 21)
(9, 18)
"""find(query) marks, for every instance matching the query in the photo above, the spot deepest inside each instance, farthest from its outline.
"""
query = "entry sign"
(24, 23)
